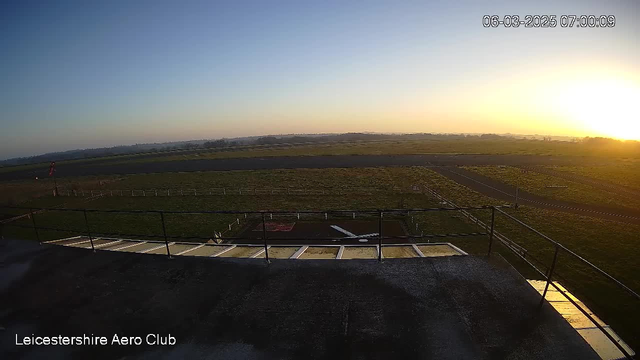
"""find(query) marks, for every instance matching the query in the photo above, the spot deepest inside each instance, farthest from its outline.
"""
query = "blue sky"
(80, 74)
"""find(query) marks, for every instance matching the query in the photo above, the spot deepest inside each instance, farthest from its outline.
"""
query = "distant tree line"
(595, 142)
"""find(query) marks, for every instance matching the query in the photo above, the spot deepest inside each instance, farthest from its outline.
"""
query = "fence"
(230, 191)
(519, 251)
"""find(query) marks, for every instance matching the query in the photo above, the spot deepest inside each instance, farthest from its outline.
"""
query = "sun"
(606, 107)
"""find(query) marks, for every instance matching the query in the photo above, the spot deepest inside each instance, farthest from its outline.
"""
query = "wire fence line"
(234, 191)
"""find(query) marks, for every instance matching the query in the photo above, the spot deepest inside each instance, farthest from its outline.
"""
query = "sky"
(85, 74)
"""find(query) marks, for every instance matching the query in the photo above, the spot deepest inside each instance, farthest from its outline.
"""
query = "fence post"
(493, 218)
(379, 235)
(550, 274)
(35, 228)
(164, 232)
(88, 230)
(264, 236)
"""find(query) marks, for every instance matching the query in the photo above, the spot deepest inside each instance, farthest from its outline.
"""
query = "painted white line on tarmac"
(299, 252)
(155, 248)
(69, 238)
(107, 244)
(128, 246)
(224, 251)
(186, 251)
(415, 248)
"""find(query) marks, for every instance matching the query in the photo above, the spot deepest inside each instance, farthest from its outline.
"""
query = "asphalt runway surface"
(499, 190)
(293, 162)
(456, 307)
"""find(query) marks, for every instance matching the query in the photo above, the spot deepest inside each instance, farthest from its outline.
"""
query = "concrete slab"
(602, 345)
(207, 250)
(116, 246)
(280, 252)
(360, 252)
(320, 252)
(174, 249)
(438, 250)
(97, 243)
(140, 247)
(405, 251)
(242, 251)
(583, 325)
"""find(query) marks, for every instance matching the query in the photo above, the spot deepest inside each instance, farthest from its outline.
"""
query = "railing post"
(553, 266)
(88, 230)
(379, 235)
(264, 237)
(35, 228)
(493, 220)
(164, 232)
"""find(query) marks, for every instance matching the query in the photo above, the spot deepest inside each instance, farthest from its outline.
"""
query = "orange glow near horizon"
(608, 107)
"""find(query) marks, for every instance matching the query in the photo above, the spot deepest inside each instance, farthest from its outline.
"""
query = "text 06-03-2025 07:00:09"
(549, 21)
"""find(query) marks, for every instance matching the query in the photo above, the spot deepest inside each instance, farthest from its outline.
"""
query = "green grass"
(404, 147)
(626, 173)
(537, 183)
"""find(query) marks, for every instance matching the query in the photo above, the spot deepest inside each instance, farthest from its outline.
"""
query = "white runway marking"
(351, 235)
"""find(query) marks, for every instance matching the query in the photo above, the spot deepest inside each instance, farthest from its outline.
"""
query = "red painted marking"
(276, 226)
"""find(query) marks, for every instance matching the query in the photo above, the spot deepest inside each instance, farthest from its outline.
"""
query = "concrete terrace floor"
(458, 307)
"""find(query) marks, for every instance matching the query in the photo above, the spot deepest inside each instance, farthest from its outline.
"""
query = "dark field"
(606, 241)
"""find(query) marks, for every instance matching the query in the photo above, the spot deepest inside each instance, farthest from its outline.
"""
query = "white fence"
(232, 191)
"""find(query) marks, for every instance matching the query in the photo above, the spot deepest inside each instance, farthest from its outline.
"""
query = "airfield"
(152, 207)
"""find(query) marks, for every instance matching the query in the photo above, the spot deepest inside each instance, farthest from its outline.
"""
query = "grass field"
(626, 173)
(470, 145)
(608, 244)
(459, 146)
(537, 183)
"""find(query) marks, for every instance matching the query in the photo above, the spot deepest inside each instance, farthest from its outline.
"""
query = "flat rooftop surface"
(457, 307)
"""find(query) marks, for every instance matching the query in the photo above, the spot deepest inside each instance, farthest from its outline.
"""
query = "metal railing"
(262, 215)
(549, 274)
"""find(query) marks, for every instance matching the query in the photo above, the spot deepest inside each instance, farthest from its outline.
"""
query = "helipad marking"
(348, 233)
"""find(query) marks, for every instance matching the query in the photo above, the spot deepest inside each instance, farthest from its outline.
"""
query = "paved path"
(502, 191)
